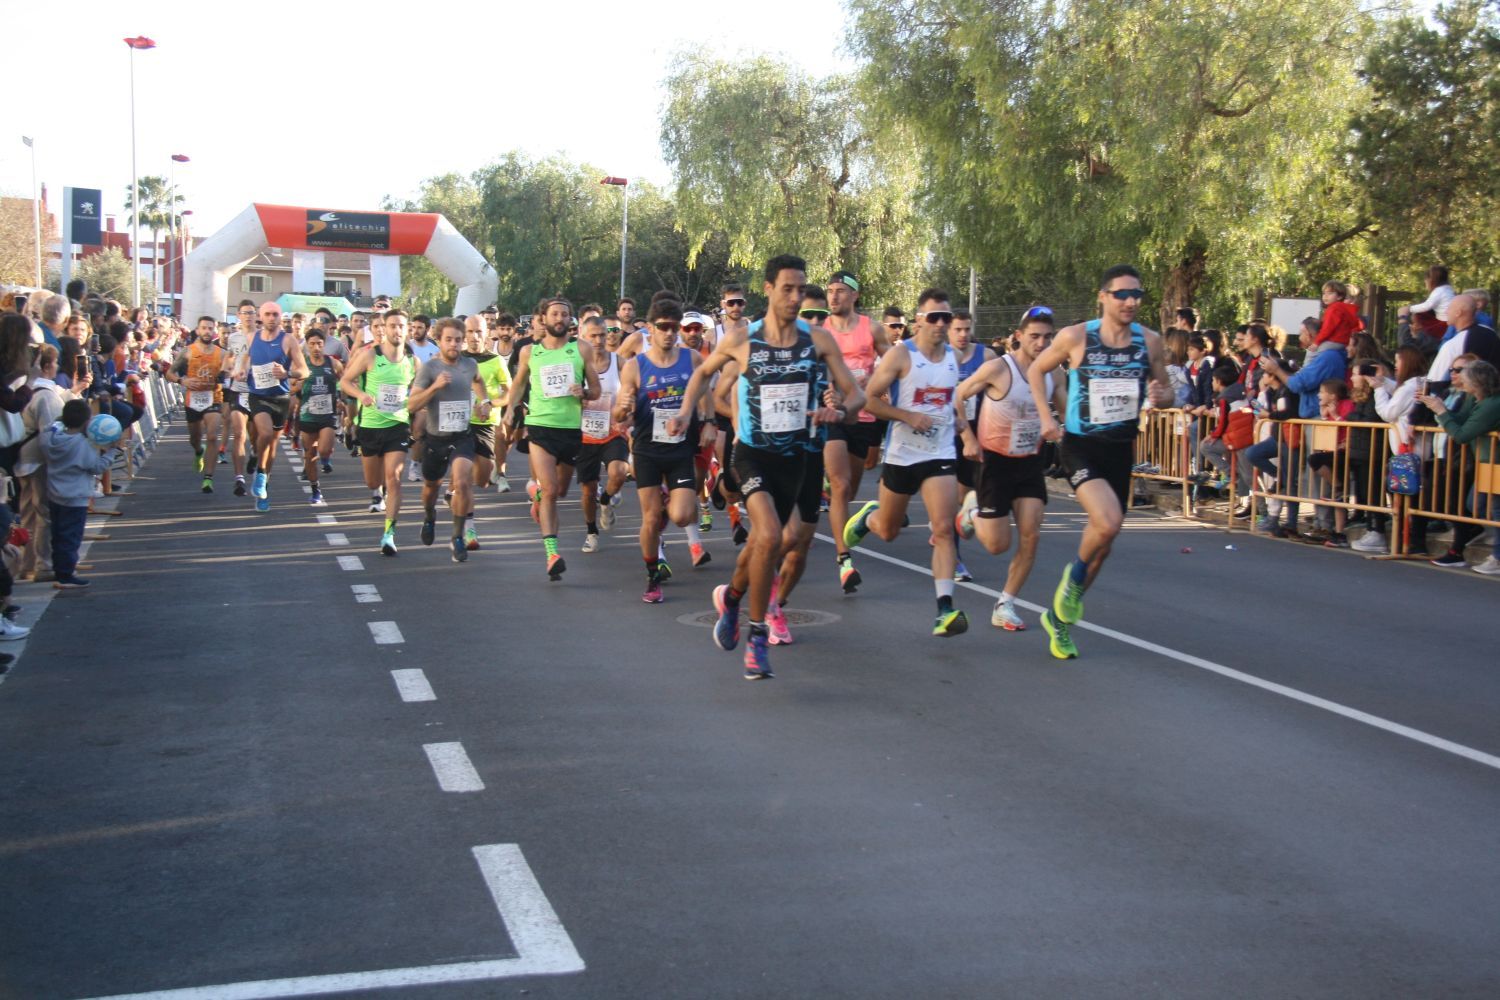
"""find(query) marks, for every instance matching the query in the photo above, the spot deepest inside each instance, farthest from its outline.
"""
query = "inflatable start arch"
(207, 268)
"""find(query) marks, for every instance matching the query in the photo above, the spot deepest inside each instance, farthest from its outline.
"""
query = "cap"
(695, 317)
(491, 308)
(845, 277)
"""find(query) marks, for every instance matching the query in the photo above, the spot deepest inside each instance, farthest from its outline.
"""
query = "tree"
(109, 273)
(774, 161)
(1425, 146)
(18, 241)
(158, 212)
(1059, 139)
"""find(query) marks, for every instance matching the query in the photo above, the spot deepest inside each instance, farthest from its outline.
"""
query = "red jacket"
(1340, 322)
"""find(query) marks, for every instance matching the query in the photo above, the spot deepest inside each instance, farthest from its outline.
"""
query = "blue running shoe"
(727, 628)
(263, 504)
(258, 486)
(757, 658)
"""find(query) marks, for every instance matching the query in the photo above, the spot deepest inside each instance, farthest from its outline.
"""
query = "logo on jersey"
(932, 395)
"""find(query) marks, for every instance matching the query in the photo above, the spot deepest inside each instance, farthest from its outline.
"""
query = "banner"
(82, 206)
(297, 228)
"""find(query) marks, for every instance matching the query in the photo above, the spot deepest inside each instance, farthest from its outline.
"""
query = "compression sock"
(549, 542)
(944, 595)
(695, 537)
(390, 524)
(593, 527)
(1079, 571)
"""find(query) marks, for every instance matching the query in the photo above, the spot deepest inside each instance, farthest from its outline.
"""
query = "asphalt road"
(1280, 778)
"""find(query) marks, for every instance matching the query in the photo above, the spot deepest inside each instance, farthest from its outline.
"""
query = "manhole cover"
(794, 617)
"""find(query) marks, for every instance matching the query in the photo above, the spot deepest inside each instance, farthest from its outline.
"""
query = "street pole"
(172, 241)
(138, 42)
(624, 227)
(36, 208)
(973, 295)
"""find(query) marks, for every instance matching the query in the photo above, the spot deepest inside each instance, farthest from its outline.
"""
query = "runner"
(779, 359)
(198, 369)
(970, 357)
(496, 379)
(556, 375)
(503, 344)
(1007, 446)
(731, 321)
(922, 377)
(697, 338)
(636, 341)
(446, 387)
(317, 414)
(274, 354)
(652, 387)
(1113, 363)
(236, 401)
(422, 349)
(863, 344)
(379, 378)
(604, 450)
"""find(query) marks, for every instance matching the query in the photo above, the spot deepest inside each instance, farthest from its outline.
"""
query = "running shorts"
(778, 475)
(655, 471)
(439, 450)
(1085, 458)
(908, 479)
(562, 443)
(810, 497)
(594, 459)
(375, 441)
(1003, 480)
(275, 407)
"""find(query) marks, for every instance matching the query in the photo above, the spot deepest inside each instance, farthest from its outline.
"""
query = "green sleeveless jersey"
(553, 372)
(389, 382)
(496, 379)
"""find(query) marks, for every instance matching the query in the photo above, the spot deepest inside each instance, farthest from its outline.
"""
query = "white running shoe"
(591, 543)
(1490, 567)
(502, 485)
(606, 516)
(1370, 541)
(413, 471)
(964, 522)
(1005, 616)
(10, 630)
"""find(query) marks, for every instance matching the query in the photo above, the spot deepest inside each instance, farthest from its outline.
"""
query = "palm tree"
(158, 212)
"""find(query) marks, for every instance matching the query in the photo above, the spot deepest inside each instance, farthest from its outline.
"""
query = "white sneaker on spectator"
(1490, 567)
(1370, 541)
(98, 490)
(10, 630)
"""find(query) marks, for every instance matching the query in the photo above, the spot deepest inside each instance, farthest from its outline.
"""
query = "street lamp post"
(138, 42)
(173, 242)
(36, 208)
(624, 186)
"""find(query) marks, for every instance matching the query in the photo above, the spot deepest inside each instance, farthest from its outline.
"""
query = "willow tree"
(1059, 138)
(773, 160)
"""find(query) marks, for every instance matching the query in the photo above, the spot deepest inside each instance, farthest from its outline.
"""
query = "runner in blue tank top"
(1114, 366)
(776, 359)
(971, 357)
(653, 385)
(273, 355)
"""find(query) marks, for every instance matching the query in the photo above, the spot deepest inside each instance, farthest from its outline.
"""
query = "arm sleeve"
(1428, 304)
(1479, 421)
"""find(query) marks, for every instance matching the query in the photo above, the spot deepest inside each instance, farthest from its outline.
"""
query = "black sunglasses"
(813, 314)
(937, 316)
(734, 302)
(1127, 293)
(665, 325)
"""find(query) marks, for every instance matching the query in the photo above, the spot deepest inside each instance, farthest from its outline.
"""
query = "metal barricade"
(1316, 466)
(1166, 450)
(1458, 485)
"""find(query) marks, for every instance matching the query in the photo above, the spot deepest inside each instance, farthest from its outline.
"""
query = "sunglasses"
(731, 303)
(692, 326)
(895, 326)
(937, 316)
(814, 314)
(1457, 369)
(1127, 293)
(1036, 311)
(665, 326)
(611, 329)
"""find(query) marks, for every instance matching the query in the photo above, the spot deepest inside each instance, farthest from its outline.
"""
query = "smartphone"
(80, 368)
(1421, 387)
(1369, 370)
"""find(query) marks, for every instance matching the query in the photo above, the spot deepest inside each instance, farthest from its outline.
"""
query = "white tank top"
(927, 388)
(598, 426)
(1011, 426)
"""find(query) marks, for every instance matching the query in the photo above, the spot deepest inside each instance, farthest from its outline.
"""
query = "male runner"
(863, 344)
(697, 338)
(504, 341)
(236, 402)
(922, 377)
(556, 375)
(1007, 447)
(604, 451)
(731, 320)
(379, 378)
(273, 355)
(317, 413)
(1113, 363)
(778, 358)
(496, 379)
(422, 349)
(652, 388)
(446, 388)
(198, 369)
(970, 356)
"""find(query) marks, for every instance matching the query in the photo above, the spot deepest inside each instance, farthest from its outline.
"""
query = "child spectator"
(1332, 466)
(1229, 397)
(1340, 319)
(72, 463)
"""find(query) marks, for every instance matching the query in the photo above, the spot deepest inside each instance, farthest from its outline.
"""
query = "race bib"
(390, 398)
(659, 434)
(860, 375)
(453, 416)
(318, 405)
(239, 385)
(596, 417)
(931, 441)
(1025, 436)
(264, 376)
(557, 380)
(201, 399)
(971, 408)
(1114, 400)
(783, 408)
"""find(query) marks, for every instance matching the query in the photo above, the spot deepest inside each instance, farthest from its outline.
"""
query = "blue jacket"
(1329, 362)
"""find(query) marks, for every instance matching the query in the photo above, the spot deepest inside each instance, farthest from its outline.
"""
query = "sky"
(291, 103)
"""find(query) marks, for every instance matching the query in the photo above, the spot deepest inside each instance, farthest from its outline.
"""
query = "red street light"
(140, 42)
(617, 181)
(179, 157)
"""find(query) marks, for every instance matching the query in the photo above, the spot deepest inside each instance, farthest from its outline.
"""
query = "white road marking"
(412, 685)
(386, 633)
(542, 944)
(451, 765)
(327, 519)
(365, 593)
(337, 539)
(351, 563)
(1354, 714)
(306, 487)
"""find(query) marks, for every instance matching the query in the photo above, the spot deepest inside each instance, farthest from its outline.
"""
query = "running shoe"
(705, 519)
(208, 484)
(727, 628)
(198, 462)
(858, 526)
(388, 543)
(263, 504)
(536, 503)
(663, 570)
(258, 486)
(555, 567)
(1067, 602)
(429, 530)
(1450, 560)
(700, 556)
(652, 594)
(741, 534)
(950, 623)
(849, 577)
(757, 658)
(302, 476)
(964, 522)
(377, 503)
(961, 573)
(781, 635)
(316, 500)
(606, 516)
(502, 485)
(1060, 642)
(251, 464)
(1490, 567)
(460, 551)
(590, 543)
(223, 458)
(471, 538)
(1370, 541)
(239, 486)
(413, 471)
(327, 466)
(1005, 616)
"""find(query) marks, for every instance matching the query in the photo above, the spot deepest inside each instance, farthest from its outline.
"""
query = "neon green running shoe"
(857, 527)
(1060, 642)
(1067, 602)
(950, 623)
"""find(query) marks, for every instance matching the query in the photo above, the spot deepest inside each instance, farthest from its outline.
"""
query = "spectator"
(1199, 375)
(1430, 316)
(1363, 349)
(1215, 340)
(1187, 319)
(1394, 399)
(1340, 318)
(1404, 336)
(72, 463)
(1363, 487)
(1471, 424)
(1279, 446)
(1229, 399)
(15, 362)
(1481, 312)
(1332, 467)
(1472, 338)
(47, 400)
(54, 319)
(1174, 345)
(1257, 344)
